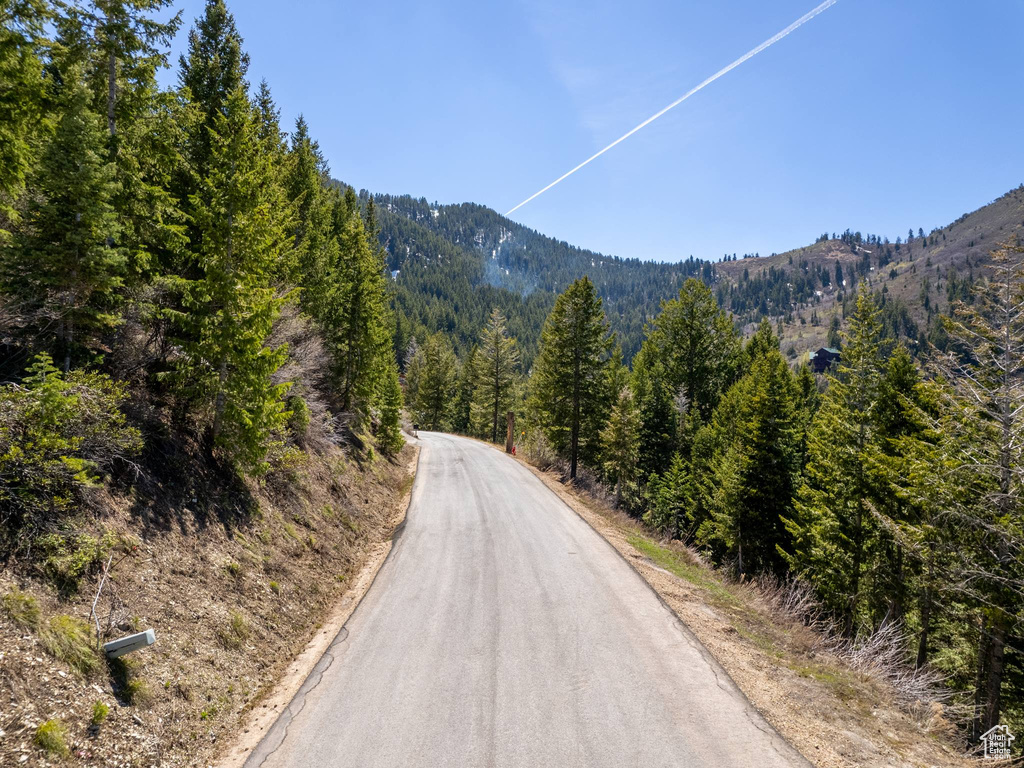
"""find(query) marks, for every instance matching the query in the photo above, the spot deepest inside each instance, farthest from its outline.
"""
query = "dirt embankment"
(834, 715)
(236, 584)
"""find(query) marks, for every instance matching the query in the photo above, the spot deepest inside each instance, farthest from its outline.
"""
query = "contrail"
(748, 55)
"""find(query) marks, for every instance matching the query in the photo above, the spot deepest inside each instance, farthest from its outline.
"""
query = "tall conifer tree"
(232, 305)
(22, 92)
(495, 367)
(569, 390)
(833, 528)
(67, 264)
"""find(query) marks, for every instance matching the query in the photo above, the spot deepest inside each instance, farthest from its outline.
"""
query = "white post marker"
(116, 648)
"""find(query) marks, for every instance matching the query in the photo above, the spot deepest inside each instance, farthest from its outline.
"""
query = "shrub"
(21, 608)
(70, 640)
(67, 557)
(59, 434)
(99, 713)
(298, 421)
(52, 736)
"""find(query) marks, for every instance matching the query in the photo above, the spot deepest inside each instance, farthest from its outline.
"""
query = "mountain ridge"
(452, 262)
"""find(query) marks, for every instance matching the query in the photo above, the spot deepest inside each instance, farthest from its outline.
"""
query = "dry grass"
(71, 640)
(52, 737)
(22, 608)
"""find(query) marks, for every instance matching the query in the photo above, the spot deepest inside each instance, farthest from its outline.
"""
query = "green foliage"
(493, 371)
(66, 264)
(833, 529)
(431, 381)
(21, 608)
(619, 446)
(569, 388)
(65, 558)
(231, 305)
(127, 47)
(22, 24)
(100, 711)
(669, 498)
(52, 737)
(756, 466)
(317, 248)
(690, 357)
(58, 435)
(211, 71)
(462, 419)
(71, 640)
(358, 319)
(389, 429)
(298, 420)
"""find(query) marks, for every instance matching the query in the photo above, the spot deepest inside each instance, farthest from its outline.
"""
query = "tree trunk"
(979, 681)
(574, 443)
(218, 408)
(494, 428)
(926, 615)
(69, 334)
(994, 676)
(112, 95)
(510, 434)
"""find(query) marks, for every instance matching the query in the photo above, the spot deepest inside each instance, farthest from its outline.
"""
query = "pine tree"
(690, 356)
(231, 307)
(358, 321)
(835, 337)
(22, 95)
(209, 73)
(462, 417)
(670, 496)
(569, 392)
(65, 262)
(698, 345)
(127, 46)
(316, 247)
(494, 371)
(658, 418)
(832, 527)
(982, 464)
(389, 430)
(763, 342)
(435, 371)
(756, 472)
(619, 445)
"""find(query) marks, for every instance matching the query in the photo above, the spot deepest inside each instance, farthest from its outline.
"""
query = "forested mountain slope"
(453, 263)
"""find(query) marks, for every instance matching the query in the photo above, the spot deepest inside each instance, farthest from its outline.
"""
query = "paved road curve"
(503, 631)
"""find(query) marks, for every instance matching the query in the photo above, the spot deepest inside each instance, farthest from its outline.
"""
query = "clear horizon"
(871, 117)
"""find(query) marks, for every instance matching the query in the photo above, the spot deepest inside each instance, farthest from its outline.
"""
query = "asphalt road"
(503, 631)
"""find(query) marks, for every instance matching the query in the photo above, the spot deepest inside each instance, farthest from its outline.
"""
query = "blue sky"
(878, 115)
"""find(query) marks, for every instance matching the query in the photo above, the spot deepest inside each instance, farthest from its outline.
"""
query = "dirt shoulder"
(834, 715)
(241, 605)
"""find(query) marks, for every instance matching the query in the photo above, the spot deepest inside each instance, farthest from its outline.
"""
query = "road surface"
(503, 631)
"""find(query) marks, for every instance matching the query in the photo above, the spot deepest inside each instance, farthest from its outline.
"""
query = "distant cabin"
(823, 359)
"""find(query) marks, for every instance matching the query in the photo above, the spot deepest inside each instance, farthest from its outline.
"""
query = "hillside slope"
(234, 578)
